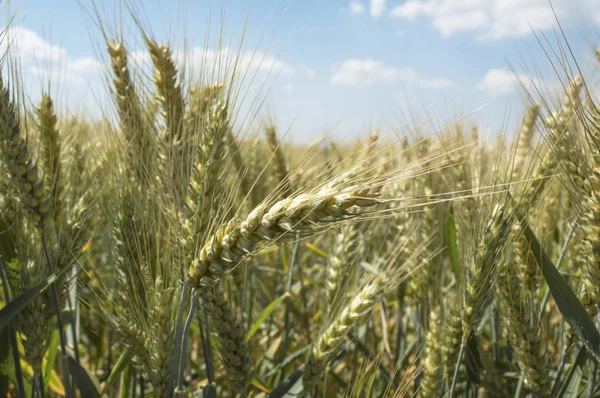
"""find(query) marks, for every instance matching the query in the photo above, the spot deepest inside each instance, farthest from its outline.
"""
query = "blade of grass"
(567, 302)
(116, 371)
(15, 306)
(82, 379)
(288, 383)
(273, 305)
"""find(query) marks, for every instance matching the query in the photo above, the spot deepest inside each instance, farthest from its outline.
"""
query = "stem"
(561, 368)
(178, 331)
(456, 368)
(142, 391)
(126, 381)
(133, 384)
(593, 384)
(74, 307)
(519, 388)
(59, 323)
(494, 332)
(184, 339)
(206, 348)
(288, 303)
(40, 383)
(400, 341)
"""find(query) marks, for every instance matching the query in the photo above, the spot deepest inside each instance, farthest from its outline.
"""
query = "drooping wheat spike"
(47, 125)
(233, 349)
(169, 89)
(527, 345)
(280, 167)
(203, 187)
(431, 383)
(237, 240)
(329, 342)
(525, 137)
(21, 166)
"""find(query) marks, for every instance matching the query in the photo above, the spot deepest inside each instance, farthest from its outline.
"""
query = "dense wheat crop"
(170, 250)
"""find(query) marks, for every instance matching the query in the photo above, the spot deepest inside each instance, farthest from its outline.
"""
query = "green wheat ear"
(22, 167)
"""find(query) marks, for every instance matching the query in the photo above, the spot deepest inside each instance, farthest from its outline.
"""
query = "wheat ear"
(431, 383)
(22, 167)
(170, 94)
(527, 345)
(280, 167)
(203, 182)
(47, 125)
(329, 342)
(233, 349)
(525, 137)
(482, 268)
(236, 240)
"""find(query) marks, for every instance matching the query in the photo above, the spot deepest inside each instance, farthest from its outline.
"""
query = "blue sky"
(349, 65)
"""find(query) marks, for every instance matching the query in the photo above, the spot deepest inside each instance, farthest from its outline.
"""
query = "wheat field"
(171, 249)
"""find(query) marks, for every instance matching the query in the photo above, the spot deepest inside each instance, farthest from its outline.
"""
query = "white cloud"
(439, 82)
(42, 58)
(356, 8)
(308, 71)
(500, 82)
(377, 8)
(367, 72)
(412, 9)
(494, 19)
(289, 87)
(32, 47)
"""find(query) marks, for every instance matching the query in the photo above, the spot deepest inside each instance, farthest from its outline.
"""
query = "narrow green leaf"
(567, 302)
(452, 244)
(14, 307)
(289, 359)
(289, 383)
(52, 354)
(573, 379)
(265, 314)
(116, 370)
(4, 359)
(83, 380)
